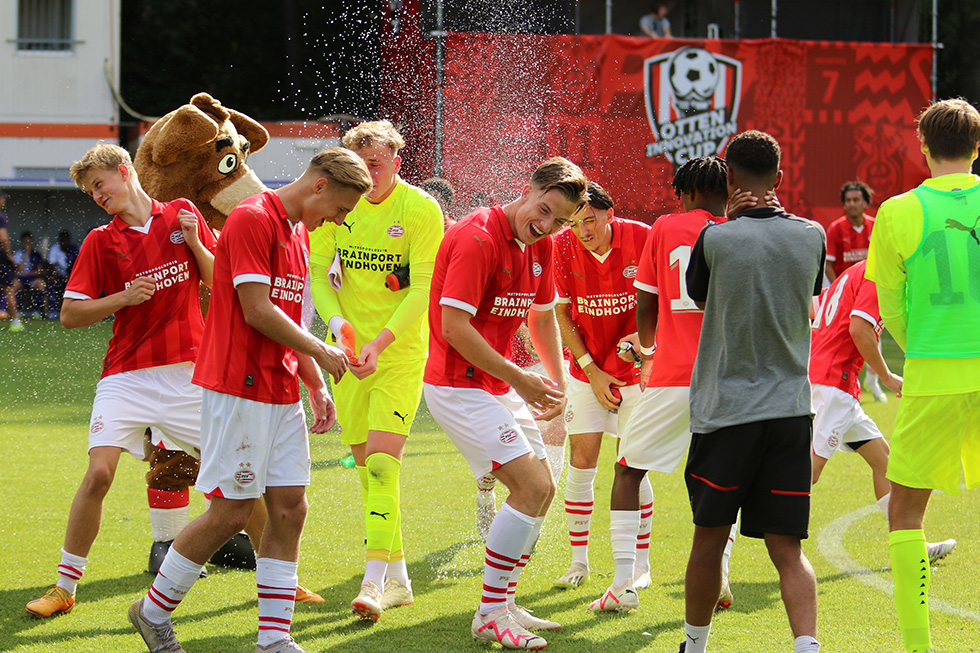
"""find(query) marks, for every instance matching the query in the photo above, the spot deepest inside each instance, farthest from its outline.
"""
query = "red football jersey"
(847, 245)
(663, 270)
(167, 328)
(600, 292)
(484, 270)
(258, 245)
(834, 359)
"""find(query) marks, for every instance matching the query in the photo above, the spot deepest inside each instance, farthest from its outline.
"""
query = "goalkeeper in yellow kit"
(925, 260)
(359, 271)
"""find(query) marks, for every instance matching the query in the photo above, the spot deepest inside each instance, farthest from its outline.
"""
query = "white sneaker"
(486, 510)
(576, 576)
(616, 599)
(500, 626)
(524, 617)
(940, 550)
(396, 595)
(641, 578)
(284, 645)
(367, 605)
(725, 597)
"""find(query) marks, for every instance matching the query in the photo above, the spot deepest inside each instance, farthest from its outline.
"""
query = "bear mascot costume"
(198, 152)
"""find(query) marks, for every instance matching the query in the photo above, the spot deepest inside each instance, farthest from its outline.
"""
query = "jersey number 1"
(680, 258)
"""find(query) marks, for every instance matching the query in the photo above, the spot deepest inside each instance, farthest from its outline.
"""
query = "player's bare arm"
(270, 320)
(86, 312)
(864, 337)
(544, 332)
(647, 317)
(599, 379)
(462, 336)
(203, 257)
(322, 406)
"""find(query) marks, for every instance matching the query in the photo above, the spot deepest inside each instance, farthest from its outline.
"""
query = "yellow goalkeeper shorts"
(933, 437)
(385, 401)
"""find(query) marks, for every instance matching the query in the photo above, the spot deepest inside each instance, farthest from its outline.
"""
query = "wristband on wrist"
(584, 360)
(648, 351)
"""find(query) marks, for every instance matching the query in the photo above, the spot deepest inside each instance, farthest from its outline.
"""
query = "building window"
(44, 25)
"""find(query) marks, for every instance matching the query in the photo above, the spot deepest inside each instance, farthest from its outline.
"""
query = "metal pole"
(738, 28)
(772, 29)
(440, 36)
(608, 16)
(936, 45)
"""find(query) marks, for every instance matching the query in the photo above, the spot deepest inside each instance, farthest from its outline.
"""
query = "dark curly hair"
(755, 153)
(857, 184)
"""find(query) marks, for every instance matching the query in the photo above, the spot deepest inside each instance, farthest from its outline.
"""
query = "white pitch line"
(830, 544)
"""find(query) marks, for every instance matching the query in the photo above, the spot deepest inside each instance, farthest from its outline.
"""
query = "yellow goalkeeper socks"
(910, 571)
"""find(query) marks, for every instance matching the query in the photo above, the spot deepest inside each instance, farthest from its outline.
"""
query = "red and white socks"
(579, 503)
(172, 583)
(169, 512)
(71, 569)
(506, 543)
(642, 561)
(276, 581)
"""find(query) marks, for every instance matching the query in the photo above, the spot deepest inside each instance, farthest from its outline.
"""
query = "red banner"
(628, 110)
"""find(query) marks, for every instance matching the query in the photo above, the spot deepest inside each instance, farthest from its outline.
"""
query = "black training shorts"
(762, 468)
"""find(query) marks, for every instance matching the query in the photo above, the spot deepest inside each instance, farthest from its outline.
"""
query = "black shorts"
(6, 271)
(762, 468)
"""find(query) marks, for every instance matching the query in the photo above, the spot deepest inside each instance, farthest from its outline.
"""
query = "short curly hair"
(376, 132)
(755, 153)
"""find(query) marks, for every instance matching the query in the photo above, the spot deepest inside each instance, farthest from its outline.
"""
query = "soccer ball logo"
(694, 76)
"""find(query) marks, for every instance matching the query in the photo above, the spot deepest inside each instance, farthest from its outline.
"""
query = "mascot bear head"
(199, 151)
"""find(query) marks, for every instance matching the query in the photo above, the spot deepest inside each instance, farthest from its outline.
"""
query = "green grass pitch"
(47, 384)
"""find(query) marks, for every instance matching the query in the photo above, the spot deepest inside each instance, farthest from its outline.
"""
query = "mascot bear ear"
(188, 128)
(254, 133)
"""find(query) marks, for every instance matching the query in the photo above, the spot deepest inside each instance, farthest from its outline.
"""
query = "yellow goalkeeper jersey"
(375, 239)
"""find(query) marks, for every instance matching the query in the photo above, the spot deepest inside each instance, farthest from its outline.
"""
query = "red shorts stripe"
(714, 485)
(791, 493)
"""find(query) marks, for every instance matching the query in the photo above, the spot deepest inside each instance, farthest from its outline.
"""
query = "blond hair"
(950, 129)
(342, 166)
(104, 156)
(561, 174)
(377, 132)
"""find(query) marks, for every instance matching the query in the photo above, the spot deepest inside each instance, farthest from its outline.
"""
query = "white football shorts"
(162, 398)
(839, 420)
(584, 413)
(658, 433)
(489, 430)
(247, 446)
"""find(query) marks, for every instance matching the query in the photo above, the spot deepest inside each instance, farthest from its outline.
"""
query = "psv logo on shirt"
(536, 269)
(177, 236)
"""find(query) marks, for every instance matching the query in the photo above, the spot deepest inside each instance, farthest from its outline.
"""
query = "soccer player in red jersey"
(849, 236)
(848, 239)
(595, 263)
(846, 328)
(253, 437)
(657, 434)
(494, 267)
(145, 268)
